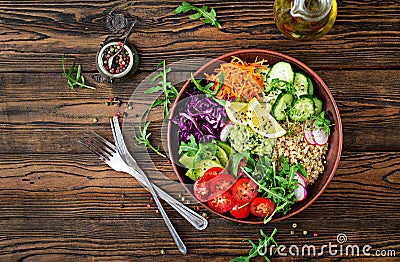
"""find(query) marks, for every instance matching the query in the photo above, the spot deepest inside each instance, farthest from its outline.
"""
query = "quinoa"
(296, 149)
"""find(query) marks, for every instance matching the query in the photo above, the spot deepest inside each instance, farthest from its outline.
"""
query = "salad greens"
(78, 80)
(202, 13)
(260, 249)
(164, 85)
(221, 130)
(142, 139)
(277, 185)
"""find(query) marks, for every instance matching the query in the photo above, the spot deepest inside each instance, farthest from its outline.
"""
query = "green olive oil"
(305, 20)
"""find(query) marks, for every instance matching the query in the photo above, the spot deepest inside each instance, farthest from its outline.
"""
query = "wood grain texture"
(70, 205)
(366, 33)
(33, 110)
(60, 203)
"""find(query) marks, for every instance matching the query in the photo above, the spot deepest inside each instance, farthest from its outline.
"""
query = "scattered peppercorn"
(95, 120)
(198, 208)
(294, 225)
(204, 214)
(292, 232)
(130, 107)
(118, 113)
(162, 252)
(305, 232)
(315, 234)
(148, 205)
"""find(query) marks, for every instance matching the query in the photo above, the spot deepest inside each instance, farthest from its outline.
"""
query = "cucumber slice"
(283, 102)
(301, 84)
(310, 86)
(318, 106)
(282, 71)
(302, 109)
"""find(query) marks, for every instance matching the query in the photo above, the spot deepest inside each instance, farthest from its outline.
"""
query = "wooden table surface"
(59, 202)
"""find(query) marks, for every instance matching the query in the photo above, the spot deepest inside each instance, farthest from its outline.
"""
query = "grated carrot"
(242, 81)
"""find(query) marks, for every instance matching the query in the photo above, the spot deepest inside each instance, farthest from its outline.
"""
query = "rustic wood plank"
(33, 111)
(36, 37)
(72, 209)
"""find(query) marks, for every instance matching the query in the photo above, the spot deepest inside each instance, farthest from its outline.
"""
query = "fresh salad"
(252, 136)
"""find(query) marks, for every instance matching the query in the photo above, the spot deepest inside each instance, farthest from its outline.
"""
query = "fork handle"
(198, 221)
(181, 246)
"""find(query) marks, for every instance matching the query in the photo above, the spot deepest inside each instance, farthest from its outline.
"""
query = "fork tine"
(100, 145)
(103, 158)
(102, 139)
(119, 137)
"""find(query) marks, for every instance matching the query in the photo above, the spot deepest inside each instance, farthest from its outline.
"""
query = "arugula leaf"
(258, 250)
(190, 147)
(205, 89)
(321, 121)
(207, 17)
(279, 185)
(142, 139)
(78, 80)
(168, 89)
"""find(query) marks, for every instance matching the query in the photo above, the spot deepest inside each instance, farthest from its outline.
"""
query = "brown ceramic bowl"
(332, 112)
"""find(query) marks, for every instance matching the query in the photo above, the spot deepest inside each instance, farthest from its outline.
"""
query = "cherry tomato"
(244, 190)
(222, 203)
(221, 183)
(240, 210)
(262, 207)
(201, 187)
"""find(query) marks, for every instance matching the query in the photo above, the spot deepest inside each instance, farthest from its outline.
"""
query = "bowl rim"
(315, 76)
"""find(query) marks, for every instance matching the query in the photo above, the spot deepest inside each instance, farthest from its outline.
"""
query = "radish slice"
(308, 136)
(301, 180)
(301, 193)
(223, 136)
(320, 136)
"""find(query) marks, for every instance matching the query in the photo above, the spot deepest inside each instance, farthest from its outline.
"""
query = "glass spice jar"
(115, 60)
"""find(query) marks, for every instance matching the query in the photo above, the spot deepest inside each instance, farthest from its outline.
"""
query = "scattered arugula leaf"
(168, 89)
(78, 80)
(142, 139)
(260, 249)
(207, 17)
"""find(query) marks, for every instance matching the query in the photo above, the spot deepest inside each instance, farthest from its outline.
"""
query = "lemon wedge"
(237, 112)
(261, 121)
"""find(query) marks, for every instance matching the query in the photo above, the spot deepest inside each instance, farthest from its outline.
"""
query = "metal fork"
(115, 161)
(122, 151)
(198, 221)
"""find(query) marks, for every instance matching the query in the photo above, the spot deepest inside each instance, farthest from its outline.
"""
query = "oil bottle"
(305, 20)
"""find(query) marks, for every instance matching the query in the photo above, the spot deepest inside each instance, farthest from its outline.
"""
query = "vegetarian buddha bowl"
(255, 136)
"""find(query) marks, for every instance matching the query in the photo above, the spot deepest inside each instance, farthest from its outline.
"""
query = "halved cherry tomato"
(222, 203)
(244, 190)
(240, 210)
(201, 187)
(221, 183)
(262, 207)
